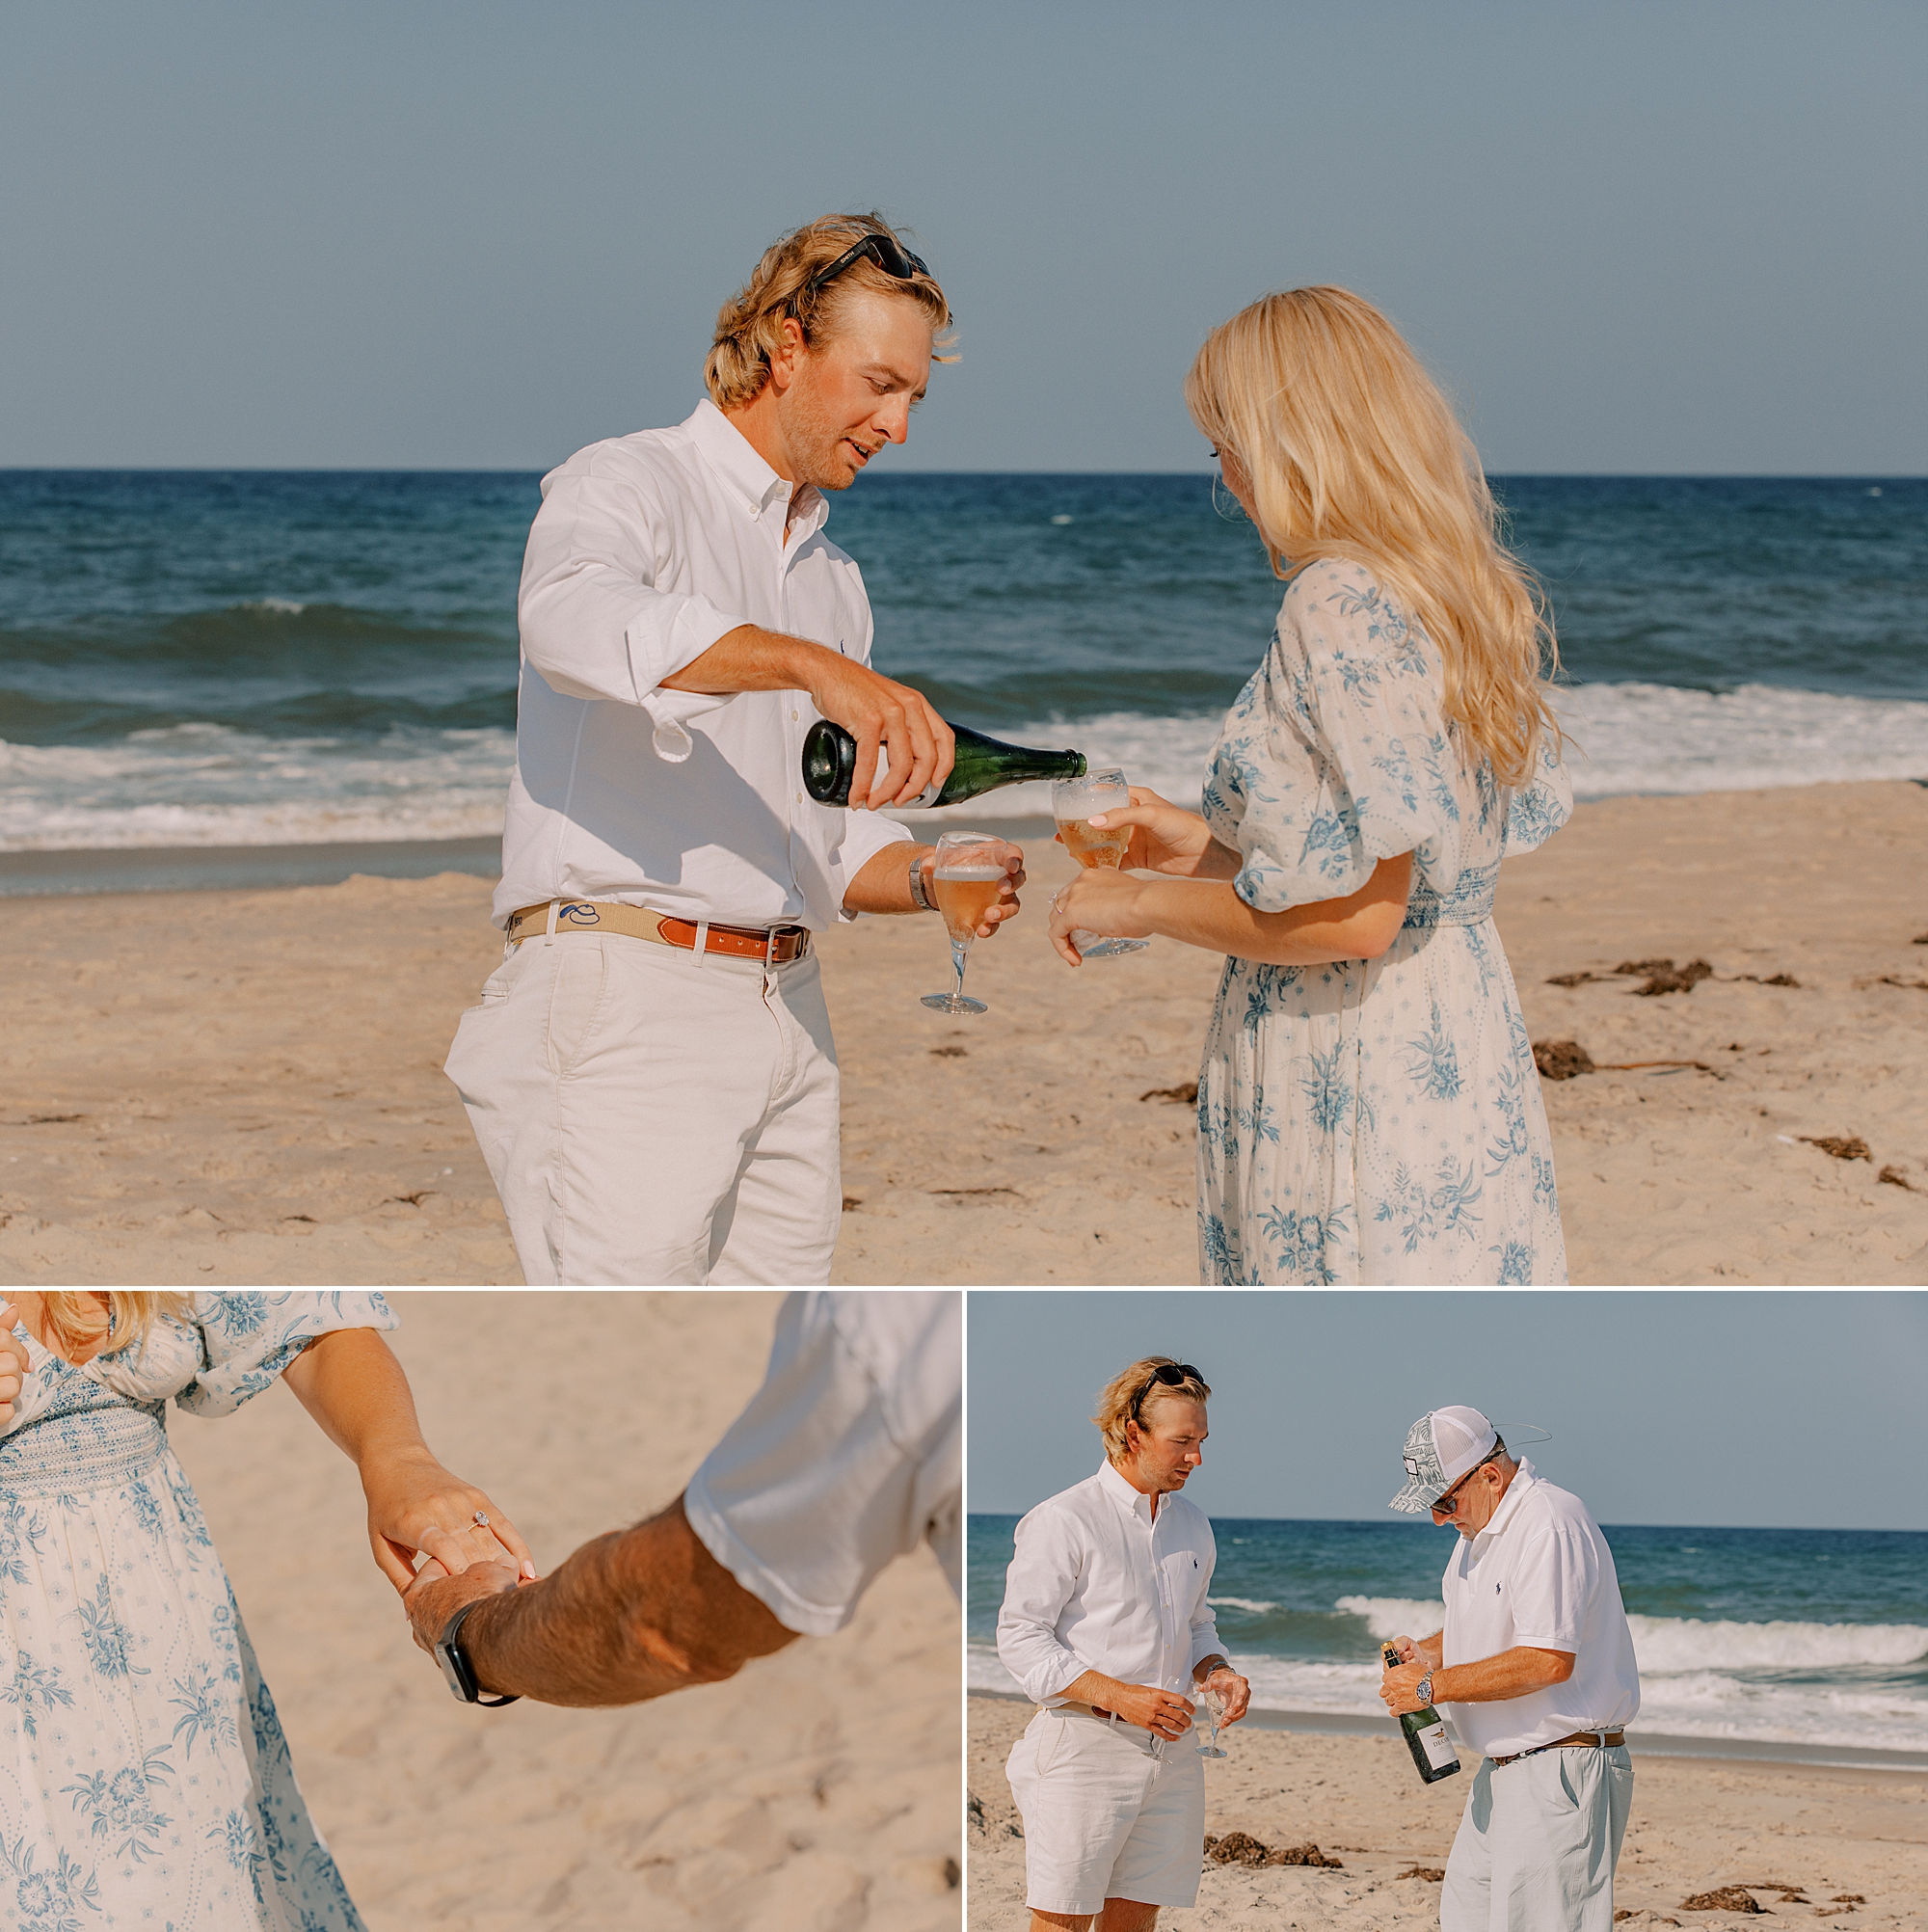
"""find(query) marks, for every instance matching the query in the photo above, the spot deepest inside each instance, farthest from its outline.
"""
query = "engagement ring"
(481, 1521)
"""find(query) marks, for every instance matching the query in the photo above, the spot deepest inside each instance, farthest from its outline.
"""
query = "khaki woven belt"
(774, 946)
(1601, 1740)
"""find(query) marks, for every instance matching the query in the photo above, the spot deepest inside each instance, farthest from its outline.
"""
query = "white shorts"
(648, 1119)
(1108, 1811)
(1537, 1843)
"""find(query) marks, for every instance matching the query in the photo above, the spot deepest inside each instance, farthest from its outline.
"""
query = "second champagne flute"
(1073, 801)
(969, 874)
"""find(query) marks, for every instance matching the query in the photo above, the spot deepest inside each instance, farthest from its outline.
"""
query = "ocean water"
(207, 658)
(1808, 1638)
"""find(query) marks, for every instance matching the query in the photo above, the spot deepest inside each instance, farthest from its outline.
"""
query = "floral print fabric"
(1370, 1121)
(147, 1782)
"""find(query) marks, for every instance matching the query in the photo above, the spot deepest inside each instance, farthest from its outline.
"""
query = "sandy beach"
(233, 1087)
(816, 1789)
(1697, 1826)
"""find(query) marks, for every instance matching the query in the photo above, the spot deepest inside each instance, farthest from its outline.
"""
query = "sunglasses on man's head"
(898, 264)
(1171, 1377)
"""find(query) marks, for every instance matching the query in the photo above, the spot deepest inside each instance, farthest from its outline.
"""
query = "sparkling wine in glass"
(1073, 801)
(1213, 1703)
(969, 874)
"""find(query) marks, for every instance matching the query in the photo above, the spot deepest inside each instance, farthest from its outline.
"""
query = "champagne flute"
(969, 874)
(1073, 801)
(1215, 1707)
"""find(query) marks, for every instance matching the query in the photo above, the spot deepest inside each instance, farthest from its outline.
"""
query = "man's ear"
(790, 350)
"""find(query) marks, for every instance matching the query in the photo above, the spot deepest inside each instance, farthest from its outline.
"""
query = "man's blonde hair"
(749, 327)
(76, 1319)
(1129, 1387)
(1351, 451)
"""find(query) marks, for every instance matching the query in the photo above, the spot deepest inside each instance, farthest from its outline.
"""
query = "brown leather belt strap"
(1601, 1740)
(774, 946)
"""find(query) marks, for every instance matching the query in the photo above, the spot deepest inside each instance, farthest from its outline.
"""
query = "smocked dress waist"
(1467, 903)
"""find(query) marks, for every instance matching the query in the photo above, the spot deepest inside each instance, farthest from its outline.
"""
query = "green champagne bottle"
(1424, 1735)
(982, 765)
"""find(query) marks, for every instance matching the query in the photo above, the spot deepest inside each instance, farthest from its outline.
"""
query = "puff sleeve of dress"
(1337, 753)
(248, 1338)
(1540, 808)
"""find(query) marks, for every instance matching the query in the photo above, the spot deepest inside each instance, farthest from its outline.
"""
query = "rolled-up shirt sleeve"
(1044, 1570)
(849, 1455)
(594, 624)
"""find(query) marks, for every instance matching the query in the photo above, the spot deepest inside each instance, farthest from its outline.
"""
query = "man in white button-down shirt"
(1535, 1665)
(651, 1073)
(1106, 1627)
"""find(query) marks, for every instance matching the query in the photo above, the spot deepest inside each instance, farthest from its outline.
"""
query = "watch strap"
(917, 888)
(449, 1643)
(1424, 1691)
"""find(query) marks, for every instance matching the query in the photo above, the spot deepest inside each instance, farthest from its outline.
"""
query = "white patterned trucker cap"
(1440, 1447)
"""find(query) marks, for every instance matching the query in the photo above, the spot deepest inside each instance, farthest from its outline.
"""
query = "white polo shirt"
(646, 550)
(850, 1454)
(1539, 1575)
(1095, 1584)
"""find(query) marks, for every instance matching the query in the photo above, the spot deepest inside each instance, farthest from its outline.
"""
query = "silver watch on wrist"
(917, 891)
(1424, 1693)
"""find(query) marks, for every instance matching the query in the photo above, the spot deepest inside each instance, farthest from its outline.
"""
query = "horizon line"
(520, 470)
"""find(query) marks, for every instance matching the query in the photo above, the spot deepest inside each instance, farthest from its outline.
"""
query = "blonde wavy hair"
(1351, 451)
(749, 327)
(78, 1319)
(1128, 1386)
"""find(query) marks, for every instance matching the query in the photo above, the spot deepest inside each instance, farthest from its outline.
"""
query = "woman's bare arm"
(1209, 913)
(350, 1381)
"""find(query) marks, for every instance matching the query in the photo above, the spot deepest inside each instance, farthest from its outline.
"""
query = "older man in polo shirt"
(1106, 1627)
(651, 1073)
(1534, 1666)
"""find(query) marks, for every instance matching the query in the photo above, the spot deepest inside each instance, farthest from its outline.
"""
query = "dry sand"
(227, 1087)
(816, 1789)
(1696, 1826)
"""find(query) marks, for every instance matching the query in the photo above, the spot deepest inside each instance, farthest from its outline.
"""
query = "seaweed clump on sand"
(1242, 1848)
(1432, 1873)
(1848, 1147)
(1728, 1899)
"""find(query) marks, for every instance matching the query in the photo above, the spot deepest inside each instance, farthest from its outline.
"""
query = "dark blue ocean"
(1812, 1637)
(256, 658)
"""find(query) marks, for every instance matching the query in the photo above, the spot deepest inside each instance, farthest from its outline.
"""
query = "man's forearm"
(882, 883)
(749, 658)
(1516, 1673)
(632, 1616)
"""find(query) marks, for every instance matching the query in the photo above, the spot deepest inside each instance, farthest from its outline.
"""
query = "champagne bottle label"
(1439, 1747)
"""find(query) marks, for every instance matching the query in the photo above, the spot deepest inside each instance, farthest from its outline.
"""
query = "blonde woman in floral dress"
(147, 1781)
(1368, 1106)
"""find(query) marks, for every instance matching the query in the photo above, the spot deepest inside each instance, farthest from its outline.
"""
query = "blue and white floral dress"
(1374, 1121)
(143, 1776)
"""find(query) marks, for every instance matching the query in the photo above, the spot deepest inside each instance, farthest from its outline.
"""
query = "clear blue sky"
(1643, 236)
(1747, 1410)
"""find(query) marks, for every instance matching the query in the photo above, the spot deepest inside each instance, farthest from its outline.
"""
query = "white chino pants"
(1537, 1843)
(1109, 1812)
(650, 1118)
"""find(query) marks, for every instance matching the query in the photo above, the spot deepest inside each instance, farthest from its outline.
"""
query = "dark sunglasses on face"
(1449, 1504)
(897, 262)
(1170, 1376)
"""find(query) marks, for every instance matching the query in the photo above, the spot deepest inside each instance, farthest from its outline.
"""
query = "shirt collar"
(1524, 1478)
(1134, 1500)
(730, 453)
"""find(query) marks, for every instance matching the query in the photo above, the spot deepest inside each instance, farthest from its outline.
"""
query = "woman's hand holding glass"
(1166, 838)
(1097, 900)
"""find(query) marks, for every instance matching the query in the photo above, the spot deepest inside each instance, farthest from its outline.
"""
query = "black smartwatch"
(456, 1668)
